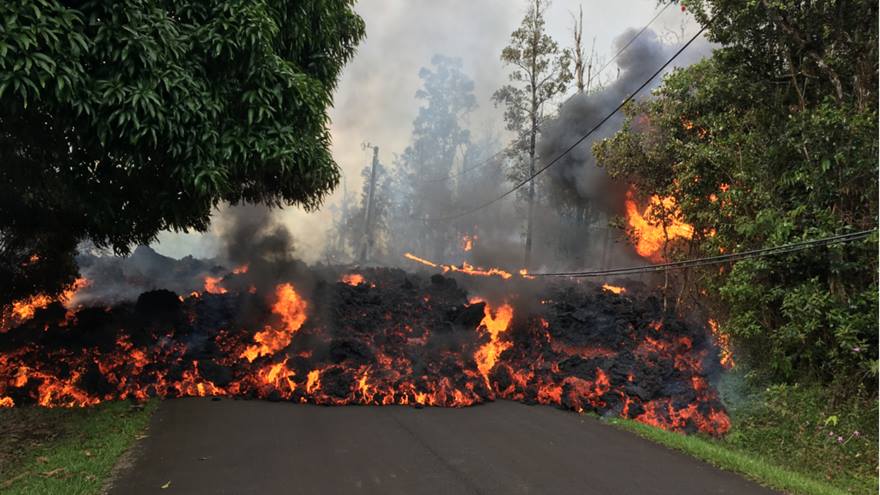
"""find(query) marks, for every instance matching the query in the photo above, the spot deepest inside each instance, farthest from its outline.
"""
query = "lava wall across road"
(380, 336)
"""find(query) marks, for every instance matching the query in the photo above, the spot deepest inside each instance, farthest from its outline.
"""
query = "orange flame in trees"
(467, 242)
(353, 279)
(494, 324)
(722, 340)
(292, 310)
(647, 227)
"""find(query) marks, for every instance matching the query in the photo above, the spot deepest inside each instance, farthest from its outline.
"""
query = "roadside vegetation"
(773, 140)
(789, 438)
(70, 451)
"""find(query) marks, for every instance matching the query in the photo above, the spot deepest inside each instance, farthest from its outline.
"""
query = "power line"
(715, 260)
(579, 141)
(495, 155)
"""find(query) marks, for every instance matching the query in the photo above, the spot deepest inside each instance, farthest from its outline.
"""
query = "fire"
(423, 261)
(613, 288)
(494, 324)
(465, 268)
(292, 310)
(416, 343)
(25, 309)
(647, 225)
(212, 285)
(353, 279)
(313, 382)
(241, 269)
(467, 242)
(722, 340)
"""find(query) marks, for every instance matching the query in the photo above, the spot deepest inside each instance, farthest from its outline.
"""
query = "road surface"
(199, 446)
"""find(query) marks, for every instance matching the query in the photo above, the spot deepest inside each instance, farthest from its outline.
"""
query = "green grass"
(69, 451)
(790, 438)
(731, 459)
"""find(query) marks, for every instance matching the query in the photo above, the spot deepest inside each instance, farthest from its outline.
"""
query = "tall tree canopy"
(121, 118)
(774, 140)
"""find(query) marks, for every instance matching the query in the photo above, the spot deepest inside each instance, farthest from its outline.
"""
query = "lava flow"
(399, 339)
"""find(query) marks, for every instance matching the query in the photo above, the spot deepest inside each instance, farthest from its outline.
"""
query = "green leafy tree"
(770, 141)
(119, 119)
(540, 72)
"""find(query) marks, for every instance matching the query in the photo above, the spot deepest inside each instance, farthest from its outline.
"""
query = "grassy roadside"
(70, 451)
(731, 459)
(789, 438)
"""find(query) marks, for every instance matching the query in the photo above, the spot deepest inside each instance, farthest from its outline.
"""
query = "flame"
(313, 383)
(292, 310)
(722, 340)
(465, 268)
(647, 227)
(241, 269)
(415, 258)
(24, 309)
(212, 285)
(467, 242)
(353, 279)
(379, 355)
(494, 324)
(524, 273)
(613, 288)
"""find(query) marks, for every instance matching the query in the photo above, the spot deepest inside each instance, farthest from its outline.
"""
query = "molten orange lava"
(487, 355)
(212, 285)
(24, 309)
(353, 279)
(613, 288)
(648, 225)
(292, 310)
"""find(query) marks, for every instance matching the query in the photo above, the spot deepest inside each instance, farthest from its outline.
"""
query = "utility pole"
(368, 214)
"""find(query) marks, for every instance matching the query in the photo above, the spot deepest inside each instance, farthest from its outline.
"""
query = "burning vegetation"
(377, 337)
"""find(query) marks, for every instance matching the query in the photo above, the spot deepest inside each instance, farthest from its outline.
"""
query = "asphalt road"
(198, 446)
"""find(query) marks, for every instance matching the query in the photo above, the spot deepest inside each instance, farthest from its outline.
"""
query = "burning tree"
(121, 119)
(751, 165)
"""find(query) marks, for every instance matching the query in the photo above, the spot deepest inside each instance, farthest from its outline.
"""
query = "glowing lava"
(292, 310)
(353, 279)
(613, 288)
(494, 325)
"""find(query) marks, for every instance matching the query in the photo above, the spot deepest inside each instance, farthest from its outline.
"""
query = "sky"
(375, 101)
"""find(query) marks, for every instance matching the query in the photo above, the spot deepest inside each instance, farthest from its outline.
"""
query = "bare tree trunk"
(579, 49)
(527, 262)
(531, 218)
